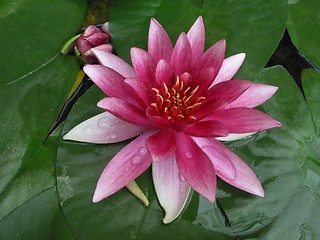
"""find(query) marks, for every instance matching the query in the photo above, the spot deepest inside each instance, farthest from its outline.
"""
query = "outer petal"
(244, 120)
(161, 145)
(125, 111)
(112, 61)
(103, 128)
(108, 80)
(195, 166)
(159, 43)
(171, 188)
(234, 137)
(196, 37)
(245, 178)
(229, 68)
(144, 66)
(255, 95)
(181, 55)
(219, 159)
(123, 168)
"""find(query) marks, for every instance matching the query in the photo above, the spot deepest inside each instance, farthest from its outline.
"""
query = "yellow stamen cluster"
(177, 103)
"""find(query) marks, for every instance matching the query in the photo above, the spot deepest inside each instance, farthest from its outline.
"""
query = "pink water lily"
(179, 101)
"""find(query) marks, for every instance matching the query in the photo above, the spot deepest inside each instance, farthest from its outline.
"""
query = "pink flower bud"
(92, 37)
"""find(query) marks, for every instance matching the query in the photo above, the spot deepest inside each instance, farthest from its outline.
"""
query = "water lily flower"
(179, 101)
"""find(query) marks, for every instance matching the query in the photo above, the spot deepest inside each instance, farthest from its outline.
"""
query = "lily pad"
(303, 23)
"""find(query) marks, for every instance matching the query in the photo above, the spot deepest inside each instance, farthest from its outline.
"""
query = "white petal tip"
(169, 218)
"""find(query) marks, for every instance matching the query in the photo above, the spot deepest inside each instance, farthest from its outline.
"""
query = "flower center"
(178, 102)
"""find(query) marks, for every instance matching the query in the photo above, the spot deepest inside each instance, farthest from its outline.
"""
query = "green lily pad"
(303, 25)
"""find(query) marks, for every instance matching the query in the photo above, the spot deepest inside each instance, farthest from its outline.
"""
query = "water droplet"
(143, 151)
(181, 178)
(311, 179)
(135, 160)
(113, 136)
(104, 123)
(181, 189)
(188, 155)
(88, 130)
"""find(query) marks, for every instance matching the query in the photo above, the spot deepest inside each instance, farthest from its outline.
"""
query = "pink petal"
(105, 47)
(161, 145)
(125, 111)
(181, 55)
(245, 178)
(171, 188)
(229, 68)
(208, 107)
(103, 128)
(124, 167)
(144, 66)
(234, 137)
(207, 129)
(244, 120)
(138, 92)
(222, 164)
(195, 166)
(229, 90)
(108, 80)
(112, 61)
(159, 43)
(164, 74)
(255, 95)
(212, 58)
(196, 37)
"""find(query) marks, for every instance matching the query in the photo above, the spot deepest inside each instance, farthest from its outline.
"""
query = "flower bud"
(92, 37)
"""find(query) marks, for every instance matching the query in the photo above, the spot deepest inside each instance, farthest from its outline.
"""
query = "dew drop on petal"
(113, 136)
(188, 155)
(135, 160)
(103, 123)
(88, 131)
(181, 177)
(143, 151)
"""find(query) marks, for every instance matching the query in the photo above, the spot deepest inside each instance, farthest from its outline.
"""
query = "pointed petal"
(196, 37)
(123, 168)
(234, 137)
(108, 80)
(125, 111)
(103, 128)
(229, 68)
(164, 74)
(219, 159)
(207, 129)
(144, 66)
(212, 58)
(112, 61)
(228, 90)
(181, 55)
(161, 145)
(159, 43)
(255, 95)
(133, 187)
(244, 120)
(245, 178)
(195, 166)
(171, 188)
